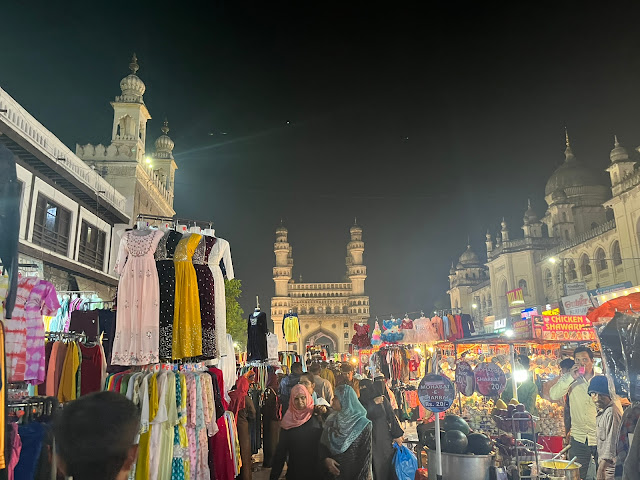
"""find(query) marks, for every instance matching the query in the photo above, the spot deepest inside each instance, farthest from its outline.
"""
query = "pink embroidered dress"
(42, 301)
(137, 318)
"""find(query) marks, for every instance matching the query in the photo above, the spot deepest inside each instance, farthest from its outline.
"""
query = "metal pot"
(555, 468)
(456, 466)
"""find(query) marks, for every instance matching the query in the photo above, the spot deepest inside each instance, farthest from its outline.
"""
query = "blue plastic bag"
(405, 463)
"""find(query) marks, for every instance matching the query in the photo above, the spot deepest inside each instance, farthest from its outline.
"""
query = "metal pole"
(437, 425)
(455, 350)
(512, 360)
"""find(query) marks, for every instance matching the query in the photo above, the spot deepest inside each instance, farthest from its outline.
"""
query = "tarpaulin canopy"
(620, 304)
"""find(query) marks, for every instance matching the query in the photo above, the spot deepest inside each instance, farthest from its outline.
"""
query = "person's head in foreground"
(96, 437)
(566, 365)
(599, 391)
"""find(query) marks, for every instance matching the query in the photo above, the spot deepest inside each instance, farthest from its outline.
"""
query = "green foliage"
(236, 323)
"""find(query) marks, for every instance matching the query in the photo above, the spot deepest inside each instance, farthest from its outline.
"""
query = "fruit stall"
(485, 419)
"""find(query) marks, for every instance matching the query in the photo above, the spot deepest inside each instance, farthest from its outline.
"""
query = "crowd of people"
(336, 425)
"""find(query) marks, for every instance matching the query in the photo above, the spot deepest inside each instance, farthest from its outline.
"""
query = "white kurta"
(221, 251)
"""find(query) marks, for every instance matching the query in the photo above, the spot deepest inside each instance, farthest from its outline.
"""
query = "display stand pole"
(455, 352)
(514, 385)
(437, 425)
(512, 360)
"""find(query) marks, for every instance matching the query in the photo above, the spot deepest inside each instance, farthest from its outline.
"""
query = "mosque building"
(585, 246)
(75, 205)
(327, 311)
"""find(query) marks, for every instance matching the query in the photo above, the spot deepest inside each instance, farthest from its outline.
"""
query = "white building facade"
(587, 239)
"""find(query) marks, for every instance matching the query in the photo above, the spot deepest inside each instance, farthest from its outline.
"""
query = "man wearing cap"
(346, 378)
(607, 426)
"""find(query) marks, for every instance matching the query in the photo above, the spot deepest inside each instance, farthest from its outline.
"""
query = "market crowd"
(329, 423)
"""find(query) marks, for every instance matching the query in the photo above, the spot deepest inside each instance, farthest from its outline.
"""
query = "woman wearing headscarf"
(270, 419)
(345, 445)
(299, 439)
(385, 429)
(243, 411)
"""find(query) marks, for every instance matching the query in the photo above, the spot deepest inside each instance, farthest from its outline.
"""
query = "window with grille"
(91, 248)
(51, 225)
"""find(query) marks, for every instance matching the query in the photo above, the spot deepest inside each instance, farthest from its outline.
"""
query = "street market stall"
(488, 380)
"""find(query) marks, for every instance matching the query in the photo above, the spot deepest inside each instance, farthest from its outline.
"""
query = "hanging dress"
(16, 332)
(206, 292)
(221, 251)
(137, 331)
(257, 336)
(42, 301)
(167, 278)
(187, 328)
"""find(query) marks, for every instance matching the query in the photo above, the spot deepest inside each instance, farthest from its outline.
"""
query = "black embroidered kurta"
(167, 280)
(257, 337)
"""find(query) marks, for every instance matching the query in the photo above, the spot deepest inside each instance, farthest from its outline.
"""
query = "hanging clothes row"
(289, 358)
(185, 432)
(171, 297)
(261, 372)
(74, 366)
(69, 303)
(29, 438)
(398, 363)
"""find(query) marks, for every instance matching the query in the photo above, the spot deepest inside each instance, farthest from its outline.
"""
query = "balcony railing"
(583, 237)
(50, 145)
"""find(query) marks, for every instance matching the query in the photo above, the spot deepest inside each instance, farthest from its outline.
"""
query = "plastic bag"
(405, 463)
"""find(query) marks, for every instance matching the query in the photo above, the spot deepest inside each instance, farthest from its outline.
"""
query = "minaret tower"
(163, 159)
(621, 165)
(357, 274)
(282, 275)
(130, 114)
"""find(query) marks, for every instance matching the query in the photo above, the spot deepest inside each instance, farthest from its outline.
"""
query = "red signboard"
(490, 379)
(564, 327)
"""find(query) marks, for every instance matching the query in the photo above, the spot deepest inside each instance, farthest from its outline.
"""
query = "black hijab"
(367, 392)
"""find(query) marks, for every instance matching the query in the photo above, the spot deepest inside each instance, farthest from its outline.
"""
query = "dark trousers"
(584, 452)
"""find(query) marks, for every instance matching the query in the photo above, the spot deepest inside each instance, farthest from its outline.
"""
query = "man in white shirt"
(583, 410)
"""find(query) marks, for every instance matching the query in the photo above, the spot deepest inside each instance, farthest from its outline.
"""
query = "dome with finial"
(164, 144)
(452, 270)
(468, 258)
(530, 215)
(132, 87)
(572, 173)
(355, 227)
(619, 153)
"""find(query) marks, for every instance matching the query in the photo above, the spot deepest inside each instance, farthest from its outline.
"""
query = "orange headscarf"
(238, 396)
(293, 417)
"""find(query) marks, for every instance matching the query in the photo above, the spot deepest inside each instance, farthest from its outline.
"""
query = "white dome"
(132, 87)
(468, 258)
(164, 144)
(619, 153)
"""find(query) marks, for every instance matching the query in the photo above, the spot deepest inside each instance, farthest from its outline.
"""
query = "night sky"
(427, 124)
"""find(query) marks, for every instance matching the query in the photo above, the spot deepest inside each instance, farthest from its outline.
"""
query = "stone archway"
(322, 337)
